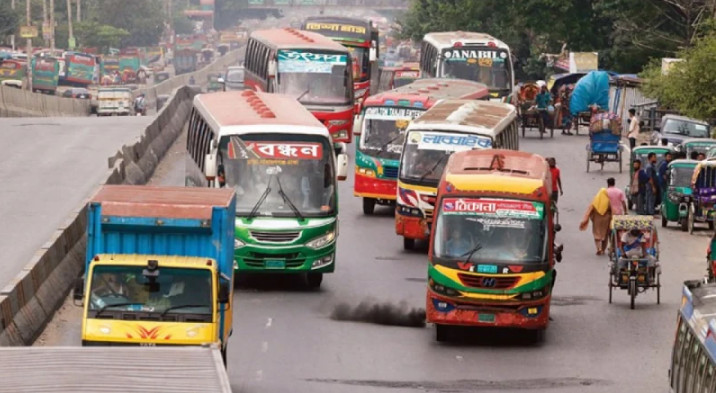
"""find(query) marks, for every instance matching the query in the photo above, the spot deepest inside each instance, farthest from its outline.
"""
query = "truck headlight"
(238, 244)
(322, 241)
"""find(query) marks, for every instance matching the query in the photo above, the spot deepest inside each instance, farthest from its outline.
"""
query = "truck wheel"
(368, 206)
(223, 354)
(313, 280)
(408, 243)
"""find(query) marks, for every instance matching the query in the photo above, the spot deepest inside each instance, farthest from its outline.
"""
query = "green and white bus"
(280, 161)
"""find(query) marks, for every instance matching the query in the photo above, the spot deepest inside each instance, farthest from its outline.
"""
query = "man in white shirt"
(633, 128)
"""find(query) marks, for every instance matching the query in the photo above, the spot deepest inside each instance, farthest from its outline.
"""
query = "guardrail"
(29, 301)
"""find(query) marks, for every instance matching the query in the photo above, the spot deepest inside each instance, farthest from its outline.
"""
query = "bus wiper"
(180, 306)
(106, 306)
(303, 94)
(437, 164)
(469, 253)
(288, 200)
(261, 200)
(386, 144)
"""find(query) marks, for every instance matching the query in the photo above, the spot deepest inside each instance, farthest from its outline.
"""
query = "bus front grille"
(275, 237)
(487, 282)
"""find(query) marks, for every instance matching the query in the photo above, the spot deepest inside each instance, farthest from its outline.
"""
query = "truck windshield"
(384, 128)
(682, 127)
(174, 290)
(272, 172)
(489, 230)
(426, 153)
(315, 78)
(480, 64)
(681, 176)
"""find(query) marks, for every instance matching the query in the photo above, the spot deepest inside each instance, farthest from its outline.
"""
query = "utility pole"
(12, 37)
(71, 37)
(44, 21)
(52, 25)
(29, 48)
(79, 10)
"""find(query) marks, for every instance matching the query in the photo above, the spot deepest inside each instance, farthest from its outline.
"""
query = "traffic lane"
(49, 166)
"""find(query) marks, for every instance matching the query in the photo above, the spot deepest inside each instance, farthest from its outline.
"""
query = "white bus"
(447, 127)
(477, 57)
(279, 159)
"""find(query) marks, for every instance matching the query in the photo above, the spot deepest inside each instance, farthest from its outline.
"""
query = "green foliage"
(689, 85)
(182, 25)
(93, 34)
(143, 19)
(9, 20)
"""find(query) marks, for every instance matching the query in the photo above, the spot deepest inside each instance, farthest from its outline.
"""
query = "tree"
(9, 20)
(689, 85)
(143, 19)
(93, 34)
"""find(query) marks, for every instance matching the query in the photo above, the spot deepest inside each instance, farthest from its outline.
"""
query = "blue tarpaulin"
(592, 89)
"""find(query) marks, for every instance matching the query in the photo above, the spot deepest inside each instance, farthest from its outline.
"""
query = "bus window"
(709, 379)
(678, 347)
(691, 363)
(699, 371)
(684, 362)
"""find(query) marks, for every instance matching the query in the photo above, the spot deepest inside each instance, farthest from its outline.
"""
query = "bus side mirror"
(372, 54)
(342, 166)
(224, 293)
(358, 126)
(210, 166)
(78, 293)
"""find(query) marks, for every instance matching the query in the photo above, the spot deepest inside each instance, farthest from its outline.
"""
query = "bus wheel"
(368, 206)
(441, 333)
(536, 336)
(223, 353)
(313, 280)
(408, 243)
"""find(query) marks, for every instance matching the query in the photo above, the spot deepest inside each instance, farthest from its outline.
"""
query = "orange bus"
(394, 77)
(491, 255)
(313, 69)
(381, 126)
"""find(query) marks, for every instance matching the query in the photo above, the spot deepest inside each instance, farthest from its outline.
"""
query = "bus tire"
(441, 333)
(313, 280)
(537, 336)
(223, 353)
(368, 206)
(408, 243)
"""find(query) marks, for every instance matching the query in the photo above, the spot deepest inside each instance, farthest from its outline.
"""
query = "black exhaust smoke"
(388, 314)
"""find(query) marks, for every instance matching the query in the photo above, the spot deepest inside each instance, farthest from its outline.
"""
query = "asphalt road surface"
(285, 340)
(48, 167)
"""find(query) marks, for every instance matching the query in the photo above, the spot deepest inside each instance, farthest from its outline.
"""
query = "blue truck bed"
(195, 222)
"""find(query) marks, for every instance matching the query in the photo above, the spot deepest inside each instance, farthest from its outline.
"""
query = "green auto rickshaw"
(698, 145)
(677, 197)
(641, 153)
(213, 83)
(702, 206)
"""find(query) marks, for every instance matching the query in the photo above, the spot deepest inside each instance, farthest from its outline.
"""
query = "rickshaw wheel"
(691, 219)
(588, 159)
(658, 289)
(611, 288)
(632, 292)
(523, 128)
(684, 224)
(620, 161)
(711, 225)
(664, 222)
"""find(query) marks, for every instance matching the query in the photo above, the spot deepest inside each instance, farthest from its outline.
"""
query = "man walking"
(617, 198)
(633, 128)
(651, 184)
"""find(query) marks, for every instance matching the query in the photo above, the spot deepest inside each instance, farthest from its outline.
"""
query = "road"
(49, 166)
(285, 340)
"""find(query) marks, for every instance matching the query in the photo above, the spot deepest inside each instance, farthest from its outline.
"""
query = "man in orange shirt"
(556, 179)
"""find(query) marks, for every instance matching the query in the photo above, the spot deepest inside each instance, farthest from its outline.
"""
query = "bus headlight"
(238, 244)
(342, 134)
(365, 172)
(443, 290)
(409, 211)
(533, 295)
(322, 241)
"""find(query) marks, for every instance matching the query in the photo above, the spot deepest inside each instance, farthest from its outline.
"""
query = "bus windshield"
(480, 64)
(314, 78)
(384, 129)
(280, 175)
(360, 56)
(426, 153)
(489, 230)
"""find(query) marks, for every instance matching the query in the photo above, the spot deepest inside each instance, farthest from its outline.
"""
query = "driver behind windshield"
(459, 243)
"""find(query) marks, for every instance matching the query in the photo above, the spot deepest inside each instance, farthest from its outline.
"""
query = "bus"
(361, 38)
(466, 55)
(279, 159)
(393, 77)
(313, 69)
(449, 126)
(693, 358)
(491, 257)
(380, 129)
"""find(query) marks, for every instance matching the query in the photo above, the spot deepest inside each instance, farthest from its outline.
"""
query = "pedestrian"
(694, 155)
(617, 198)
(700, 156)
(661, 173)
(635, 190)
(543, 100)
(633, 128)
(557, 189)
(600, 213)
(651, 184)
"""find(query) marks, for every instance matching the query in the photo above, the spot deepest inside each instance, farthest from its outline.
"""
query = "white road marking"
(264, 346)
(268, 323)
(259, 375)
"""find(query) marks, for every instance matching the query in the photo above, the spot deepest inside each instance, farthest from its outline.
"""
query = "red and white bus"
(361, 38)
(312, 68)
(395, 77)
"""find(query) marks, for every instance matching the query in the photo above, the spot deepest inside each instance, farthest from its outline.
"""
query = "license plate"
(490, 318)
(275, 264)
(487, 268)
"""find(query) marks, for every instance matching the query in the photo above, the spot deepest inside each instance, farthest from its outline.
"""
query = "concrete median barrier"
(29, 301)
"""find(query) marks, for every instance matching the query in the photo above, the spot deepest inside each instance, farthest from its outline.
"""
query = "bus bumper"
(370, 187)
(446, 311)
(252, 259)
(411, 227)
